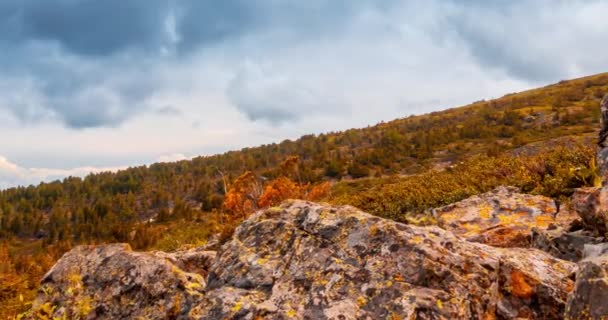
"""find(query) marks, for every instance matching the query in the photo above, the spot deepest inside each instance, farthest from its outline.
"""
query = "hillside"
(396, 169)
(403, 146)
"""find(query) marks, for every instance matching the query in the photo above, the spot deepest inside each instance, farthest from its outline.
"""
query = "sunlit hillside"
(539, 140)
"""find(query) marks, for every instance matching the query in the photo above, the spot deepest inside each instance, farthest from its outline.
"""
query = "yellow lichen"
(45, 311)
(484, 211)
(190, 286)
(361, 301)
(471, 228)
(75, 279)
(84, 306)
(439, 304)
(237, 307)
(417, 239)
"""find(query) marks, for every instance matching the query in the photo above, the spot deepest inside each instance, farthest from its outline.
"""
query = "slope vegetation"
(537, 140)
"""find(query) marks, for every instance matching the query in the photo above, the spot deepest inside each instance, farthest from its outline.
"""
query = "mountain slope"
(402, 146)
(400, 169)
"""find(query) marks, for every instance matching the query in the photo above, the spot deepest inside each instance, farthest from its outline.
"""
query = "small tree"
(243, 195)
(278, 190)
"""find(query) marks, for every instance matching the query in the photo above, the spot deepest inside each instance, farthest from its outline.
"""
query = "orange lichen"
(569, 286)
(490, 315)
(544, 221)
(399, 278)
(519, 286)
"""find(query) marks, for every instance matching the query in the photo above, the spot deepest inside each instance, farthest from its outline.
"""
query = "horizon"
(81, 94)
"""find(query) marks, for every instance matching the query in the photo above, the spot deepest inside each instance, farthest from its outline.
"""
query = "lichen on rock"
(311, 261)
(113, 282)
(589, 300)
(503, 217)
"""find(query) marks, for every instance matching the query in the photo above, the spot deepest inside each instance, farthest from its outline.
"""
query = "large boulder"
(503, 217)
(591, 204)
(113, 282)
(310, 261)
(589, 300)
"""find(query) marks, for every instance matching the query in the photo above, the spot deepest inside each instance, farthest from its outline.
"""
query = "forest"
(540, 140)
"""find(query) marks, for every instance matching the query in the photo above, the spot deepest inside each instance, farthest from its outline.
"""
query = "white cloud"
(12, 174)
(174, 157)
(357, 65)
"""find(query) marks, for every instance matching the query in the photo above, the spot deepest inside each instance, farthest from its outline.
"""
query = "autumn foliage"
(246, 195)
(278, 190)
(243, 195)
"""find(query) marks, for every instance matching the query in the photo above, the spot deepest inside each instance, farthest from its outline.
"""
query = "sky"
(89, 85)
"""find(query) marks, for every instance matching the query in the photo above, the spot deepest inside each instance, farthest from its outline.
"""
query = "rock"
(591, 204)
(562, 244)
(589, 300)
(195, 261)
(112, 282)
(304, 260)
(602, 154)
(595, 250)
(310, 261)
(502, 217)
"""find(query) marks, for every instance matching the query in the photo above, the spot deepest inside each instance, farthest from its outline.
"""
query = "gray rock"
(195, 261)
(595, 250)
(310, 261)
(589, 300)
(562, 244)
(591, 204)
(113, 282)
(305, 260)
(503, 217)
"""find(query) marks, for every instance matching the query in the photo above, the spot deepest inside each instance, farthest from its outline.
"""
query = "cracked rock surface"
(305, 260)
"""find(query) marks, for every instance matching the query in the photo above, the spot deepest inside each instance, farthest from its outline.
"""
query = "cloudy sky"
(90, 85)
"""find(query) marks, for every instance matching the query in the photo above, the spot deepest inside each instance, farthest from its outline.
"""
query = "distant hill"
(399, 147)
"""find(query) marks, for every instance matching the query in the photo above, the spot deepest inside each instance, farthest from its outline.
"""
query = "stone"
(503, 217)
(589, 300)
(562, 244)
(591, 204)
(311, 261)
(195, 261)
(595, 250)
(113, 282)
(602, 154)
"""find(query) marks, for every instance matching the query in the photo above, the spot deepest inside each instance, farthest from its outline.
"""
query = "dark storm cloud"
(78, 58)
(85, 27)
(100, 28)
(92, 63)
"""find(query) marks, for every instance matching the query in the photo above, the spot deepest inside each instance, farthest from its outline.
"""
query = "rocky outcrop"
(309, 261)
(503, 217)
(589, 299)
(591, 204)
(113, 282)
